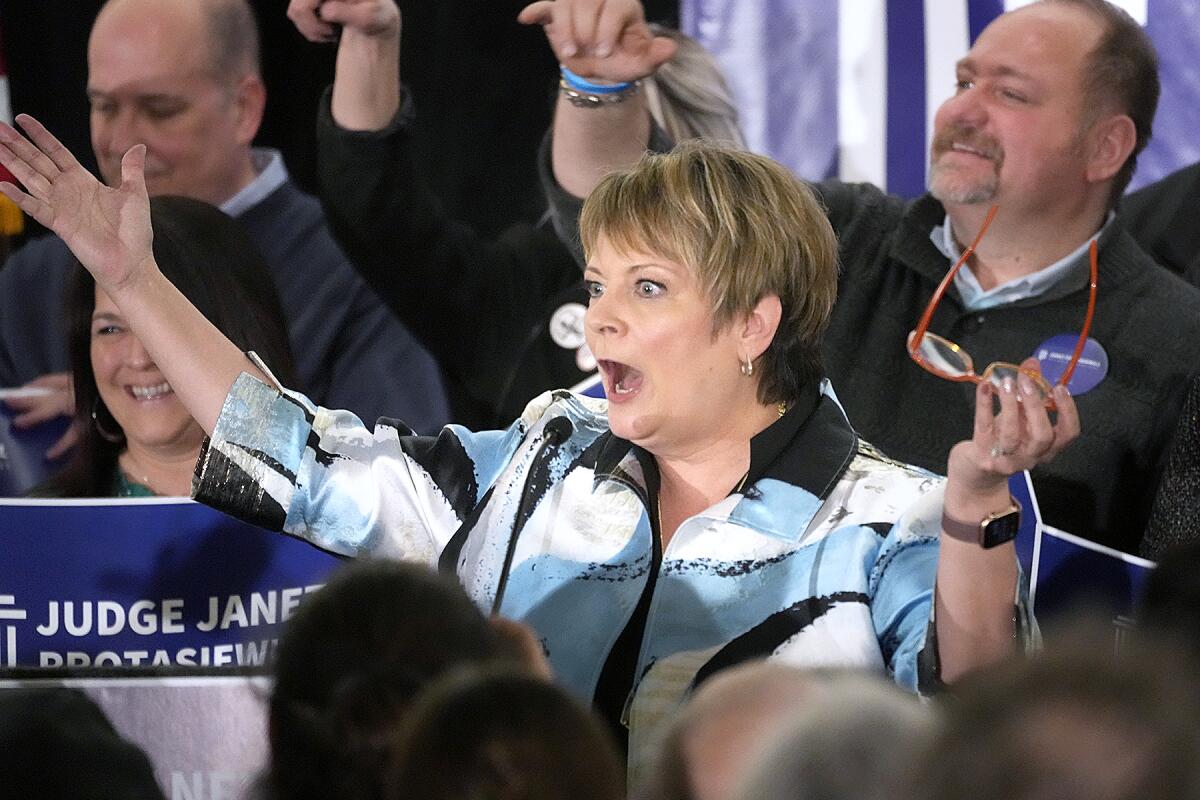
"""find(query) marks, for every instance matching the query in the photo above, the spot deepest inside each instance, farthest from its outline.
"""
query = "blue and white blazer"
(827, 559)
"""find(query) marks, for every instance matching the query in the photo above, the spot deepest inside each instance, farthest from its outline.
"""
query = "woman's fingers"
(605, 40)
(48, 147)
(27, 203)
(18, 156)
(303, 14)
(379, 18)
(539, 13)
(1009, 439)
(609, 27)
(1066, 427)
(133, 170)
(583, 20)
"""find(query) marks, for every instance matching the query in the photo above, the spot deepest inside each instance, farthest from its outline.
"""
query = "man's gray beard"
(961, 195)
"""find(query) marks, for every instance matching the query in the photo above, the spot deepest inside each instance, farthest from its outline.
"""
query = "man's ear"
(250, 98)
(760, 325)
(1110, 141)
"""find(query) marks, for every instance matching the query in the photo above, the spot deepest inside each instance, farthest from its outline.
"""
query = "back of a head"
(1075, 722)
(499, 734)
(349, 664)
(856, 739)
(724, 727)
(57, 743)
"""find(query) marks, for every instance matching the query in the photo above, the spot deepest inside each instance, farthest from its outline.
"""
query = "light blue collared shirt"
(1071, 272)
(271, 175)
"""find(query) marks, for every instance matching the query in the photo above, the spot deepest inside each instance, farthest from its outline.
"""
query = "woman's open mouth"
(620, 380)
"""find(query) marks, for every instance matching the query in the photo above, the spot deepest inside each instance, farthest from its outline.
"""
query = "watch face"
(1001, 529)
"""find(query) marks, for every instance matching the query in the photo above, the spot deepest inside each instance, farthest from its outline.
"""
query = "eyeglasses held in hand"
(947, 360)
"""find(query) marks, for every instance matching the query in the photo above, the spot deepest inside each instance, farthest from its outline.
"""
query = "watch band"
(994, 529)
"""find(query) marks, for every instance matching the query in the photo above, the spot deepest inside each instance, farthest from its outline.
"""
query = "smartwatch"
(995, 529)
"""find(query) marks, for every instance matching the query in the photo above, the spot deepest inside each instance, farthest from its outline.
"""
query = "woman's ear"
(760, 326)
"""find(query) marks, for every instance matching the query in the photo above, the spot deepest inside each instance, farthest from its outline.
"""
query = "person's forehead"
(181, 85)
(1042, 41)
(151, 46)
(611, 259)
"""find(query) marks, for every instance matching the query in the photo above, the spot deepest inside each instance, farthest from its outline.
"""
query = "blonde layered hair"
(688, 95)
(747, 227)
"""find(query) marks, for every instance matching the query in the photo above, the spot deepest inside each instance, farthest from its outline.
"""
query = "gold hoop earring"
(108, 436)
(747, 367)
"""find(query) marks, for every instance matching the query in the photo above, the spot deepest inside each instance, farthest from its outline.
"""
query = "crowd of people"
(778, 558)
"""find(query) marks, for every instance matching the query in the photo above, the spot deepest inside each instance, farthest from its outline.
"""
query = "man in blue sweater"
(182, 77)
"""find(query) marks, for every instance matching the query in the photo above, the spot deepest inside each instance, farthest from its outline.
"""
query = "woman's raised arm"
(108, 230)
(976, 586)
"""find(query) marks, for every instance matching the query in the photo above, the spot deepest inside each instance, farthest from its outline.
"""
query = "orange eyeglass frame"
(916, 336)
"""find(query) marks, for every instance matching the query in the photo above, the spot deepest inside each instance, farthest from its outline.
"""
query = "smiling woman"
(137, 437)
(719, 507)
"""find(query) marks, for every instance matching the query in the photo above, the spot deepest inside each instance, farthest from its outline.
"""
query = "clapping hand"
(603, 39)
(108, 229)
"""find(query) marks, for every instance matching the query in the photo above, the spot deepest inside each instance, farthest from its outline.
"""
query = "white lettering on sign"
(242, 654)
(148, 617)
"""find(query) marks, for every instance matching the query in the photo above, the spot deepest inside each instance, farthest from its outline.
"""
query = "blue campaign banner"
(1073, 575)
(155, 582)
(23, 462)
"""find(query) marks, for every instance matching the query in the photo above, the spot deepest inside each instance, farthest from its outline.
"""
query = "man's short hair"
(233, 36)
(1121, 75)
(748, 227)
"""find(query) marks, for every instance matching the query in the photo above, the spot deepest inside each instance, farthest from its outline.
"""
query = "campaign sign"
(160, 582)
(1070, 576)
(1074, 576)
(205, 736)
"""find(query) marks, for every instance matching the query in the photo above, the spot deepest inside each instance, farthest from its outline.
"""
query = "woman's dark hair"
(348, 666)
(215, 264)
(499, 734)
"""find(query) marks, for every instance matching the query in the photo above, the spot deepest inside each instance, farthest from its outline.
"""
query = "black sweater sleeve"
(472, 302)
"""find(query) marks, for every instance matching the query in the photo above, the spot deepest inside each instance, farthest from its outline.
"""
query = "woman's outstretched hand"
(108, 229)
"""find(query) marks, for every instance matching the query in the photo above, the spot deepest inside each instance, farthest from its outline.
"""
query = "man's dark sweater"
(483, 307)
(1147, 320)
(1162, 218)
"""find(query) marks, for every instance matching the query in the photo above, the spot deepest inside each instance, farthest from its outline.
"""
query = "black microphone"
(557, 431)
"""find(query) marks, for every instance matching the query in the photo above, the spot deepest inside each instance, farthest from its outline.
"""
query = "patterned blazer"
(827, 558)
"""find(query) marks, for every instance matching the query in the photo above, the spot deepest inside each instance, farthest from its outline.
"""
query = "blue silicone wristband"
(584, 85)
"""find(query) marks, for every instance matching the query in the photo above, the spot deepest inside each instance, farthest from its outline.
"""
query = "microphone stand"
(554, 433)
